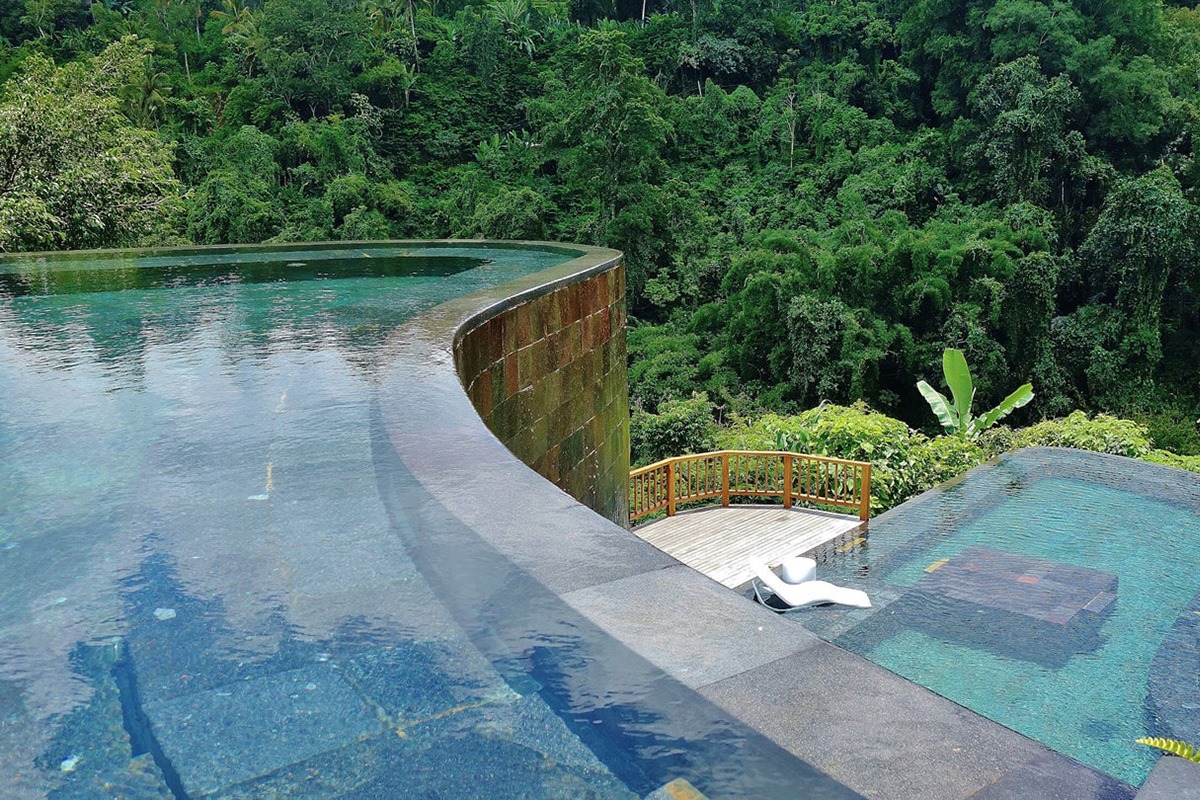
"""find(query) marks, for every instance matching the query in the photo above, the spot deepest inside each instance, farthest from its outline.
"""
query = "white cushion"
(797, 569)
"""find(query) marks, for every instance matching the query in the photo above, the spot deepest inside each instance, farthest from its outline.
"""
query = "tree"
(1143, 239)
(146, 97)
(1027, 139)
(317, 48)
(781, 117)
(607, 129)
(73, 171)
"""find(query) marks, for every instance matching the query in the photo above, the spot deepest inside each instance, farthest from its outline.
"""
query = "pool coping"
(875, 732)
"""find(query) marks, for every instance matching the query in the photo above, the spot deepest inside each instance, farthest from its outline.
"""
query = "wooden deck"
(719, 541)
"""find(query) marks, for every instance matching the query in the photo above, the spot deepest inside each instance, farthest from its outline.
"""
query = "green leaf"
(940, 405)
(958, 378)
(1009, 404)
(1172, 746)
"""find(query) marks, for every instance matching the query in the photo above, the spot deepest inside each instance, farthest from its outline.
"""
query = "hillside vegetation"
(814, 198)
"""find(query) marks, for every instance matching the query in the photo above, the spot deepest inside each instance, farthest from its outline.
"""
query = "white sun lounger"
(807, 593)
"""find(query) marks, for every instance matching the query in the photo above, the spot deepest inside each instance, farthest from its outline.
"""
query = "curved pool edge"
(867, 728)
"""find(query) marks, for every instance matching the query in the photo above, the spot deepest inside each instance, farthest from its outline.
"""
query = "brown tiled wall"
(549, 379)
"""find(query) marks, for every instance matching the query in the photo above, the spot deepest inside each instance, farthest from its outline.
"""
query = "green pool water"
(1093, 700)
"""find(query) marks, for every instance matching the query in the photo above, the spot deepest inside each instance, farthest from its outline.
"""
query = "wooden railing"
(749, 473)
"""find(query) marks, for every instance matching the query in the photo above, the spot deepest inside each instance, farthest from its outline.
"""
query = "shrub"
(1176, 430)
(854, 432)
(905, 462)
(938, 460)
(680, 427)
(1169, 459)
(1101, 434)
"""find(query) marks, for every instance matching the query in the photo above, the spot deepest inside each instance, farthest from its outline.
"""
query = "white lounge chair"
(808, 593)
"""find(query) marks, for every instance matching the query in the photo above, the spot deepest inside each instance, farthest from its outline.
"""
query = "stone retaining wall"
(548, 377)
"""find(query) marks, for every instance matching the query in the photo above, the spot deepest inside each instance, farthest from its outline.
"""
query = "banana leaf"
(958, 378)
(1009, 404)
(940, 405)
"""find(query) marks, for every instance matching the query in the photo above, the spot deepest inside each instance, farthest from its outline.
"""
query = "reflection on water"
(74, 276)
(142, 427)
(213, 584)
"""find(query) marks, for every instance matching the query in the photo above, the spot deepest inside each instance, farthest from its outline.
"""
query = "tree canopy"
(815, 200)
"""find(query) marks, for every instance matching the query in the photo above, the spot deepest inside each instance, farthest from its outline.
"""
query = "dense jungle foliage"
(814, 198)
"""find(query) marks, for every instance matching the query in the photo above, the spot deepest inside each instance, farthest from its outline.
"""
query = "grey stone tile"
(240, 731)
(541, 530)
(1055, 777)
(335, 519)
(320, 480)
(870, 729)
(565, 546)
(692, 628)
(407, 609)
(1172, 779)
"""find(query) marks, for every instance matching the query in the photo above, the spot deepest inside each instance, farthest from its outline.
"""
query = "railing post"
(725, 479)
(864, 502)
(670, 488)
(787, 480)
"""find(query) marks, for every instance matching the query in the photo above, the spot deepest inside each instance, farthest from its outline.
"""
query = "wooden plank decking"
(719, 541)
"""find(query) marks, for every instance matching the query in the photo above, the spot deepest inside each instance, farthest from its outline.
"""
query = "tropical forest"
(822, 203)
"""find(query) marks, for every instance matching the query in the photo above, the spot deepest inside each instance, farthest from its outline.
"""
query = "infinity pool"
(213, 582)
(1055, 592)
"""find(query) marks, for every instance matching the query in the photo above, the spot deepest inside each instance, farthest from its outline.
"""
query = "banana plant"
(956, 416)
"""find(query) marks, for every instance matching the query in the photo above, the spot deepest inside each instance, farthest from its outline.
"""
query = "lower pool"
(213, 582)
(1054, 591)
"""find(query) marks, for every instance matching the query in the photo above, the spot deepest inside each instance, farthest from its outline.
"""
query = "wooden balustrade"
(749, 473)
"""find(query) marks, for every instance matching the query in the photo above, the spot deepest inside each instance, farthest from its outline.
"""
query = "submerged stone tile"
(416, 681)
(484, 763)
(237, 732)
(503, 750)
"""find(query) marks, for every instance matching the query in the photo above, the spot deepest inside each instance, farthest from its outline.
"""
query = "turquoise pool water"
(1088, 687)
(209, 582)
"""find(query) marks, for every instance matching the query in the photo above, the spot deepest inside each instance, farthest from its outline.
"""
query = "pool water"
(1087, 687)
(212, 581)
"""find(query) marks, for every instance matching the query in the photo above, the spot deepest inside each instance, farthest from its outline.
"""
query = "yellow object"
(679, 789)
(936, 565)
(400, 730)
(852, 544)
